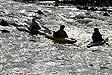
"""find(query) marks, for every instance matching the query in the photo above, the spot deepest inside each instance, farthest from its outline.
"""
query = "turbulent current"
(24, 54)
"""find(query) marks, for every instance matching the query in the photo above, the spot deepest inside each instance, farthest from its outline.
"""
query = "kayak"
(61, 40)
(45, 31)
(91, 44)
(49, 35)
(25, 28)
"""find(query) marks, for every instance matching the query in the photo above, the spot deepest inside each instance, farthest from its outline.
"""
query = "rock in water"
(106, 14)
(4, 23)
(5, 31)
(40, 12)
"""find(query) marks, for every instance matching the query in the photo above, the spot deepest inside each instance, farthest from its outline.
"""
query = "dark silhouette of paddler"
(34, 27)
(60, 33)
(97, 37)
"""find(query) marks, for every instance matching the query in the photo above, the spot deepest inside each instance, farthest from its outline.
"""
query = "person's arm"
(101, 37)
(54, 34)
(31, 26)
(66, 36)
(93, 37)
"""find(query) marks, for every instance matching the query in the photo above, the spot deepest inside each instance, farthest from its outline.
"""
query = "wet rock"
(93, 8)
(56, 4)
(103, 9)
(5, 31)
(40, 12)
(79, 7)
(106, 14)
(103, 67)
(82, 7)
(85, 8)
(94, 50)
(91, 65)
(4, 23)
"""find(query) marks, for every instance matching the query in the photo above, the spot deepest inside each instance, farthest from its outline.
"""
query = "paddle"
(98, 43)
(47, 30)
(105, 41)
(42, 31)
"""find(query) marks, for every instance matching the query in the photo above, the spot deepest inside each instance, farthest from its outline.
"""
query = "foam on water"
(23, 54)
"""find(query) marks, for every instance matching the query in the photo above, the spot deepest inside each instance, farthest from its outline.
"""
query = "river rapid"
(24, 54)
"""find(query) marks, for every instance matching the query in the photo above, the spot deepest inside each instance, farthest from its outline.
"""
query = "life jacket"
(34, 28)
(97, 37)
(60, 34)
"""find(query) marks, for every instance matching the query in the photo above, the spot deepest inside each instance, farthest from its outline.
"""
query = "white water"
(21, 56)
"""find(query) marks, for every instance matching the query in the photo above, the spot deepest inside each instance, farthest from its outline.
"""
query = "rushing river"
(24, 54)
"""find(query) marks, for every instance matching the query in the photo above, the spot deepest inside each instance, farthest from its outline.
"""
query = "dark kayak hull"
(33, 32)
(61, 40)
(91, 44)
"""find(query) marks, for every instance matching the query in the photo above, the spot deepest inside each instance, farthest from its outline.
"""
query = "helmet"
(33, 20)
(96, 29)
(62, 27)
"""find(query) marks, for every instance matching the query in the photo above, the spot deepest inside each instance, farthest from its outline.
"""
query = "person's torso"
(97, 37)
(35, 26)
(60, 34)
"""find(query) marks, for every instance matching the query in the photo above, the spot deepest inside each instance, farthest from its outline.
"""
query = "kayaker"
(34, 27)
(97, 37)
(60, 33)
